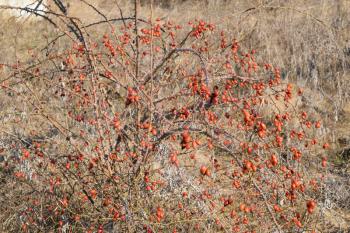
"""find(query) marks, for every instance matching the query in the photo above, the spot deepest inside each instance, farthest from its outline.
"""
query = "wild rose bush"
(160, 127)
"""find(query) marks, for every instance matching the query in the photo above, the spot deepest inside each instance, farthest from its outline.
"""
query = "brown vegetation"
(50, 119)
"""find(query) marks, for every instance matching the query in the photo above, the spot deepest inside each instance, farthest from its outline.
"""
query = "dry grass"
(309, 40)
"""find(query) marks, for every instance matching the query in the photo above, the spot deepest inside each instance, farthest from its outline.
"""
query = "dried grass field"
(122, 116)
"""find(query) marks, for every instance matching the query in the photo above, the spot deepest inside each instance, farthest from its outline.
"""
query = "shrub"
(161, 127)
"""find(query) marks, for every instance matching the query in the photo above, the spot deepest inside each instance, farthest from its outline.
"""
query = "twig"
(268, 207)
